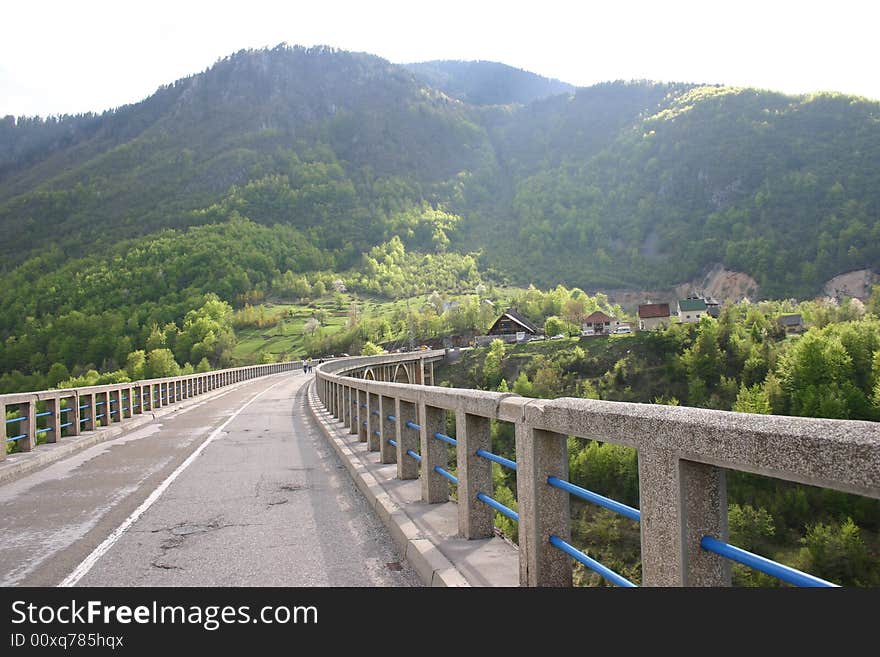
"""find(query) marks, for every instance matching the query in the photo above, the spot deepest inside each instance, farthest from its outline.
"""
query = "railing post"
(680, 501)
(353, 411)
(362, 422)
(73, 415)
(53, 420)
(114, 396)
(28, 426)
(407, 438)
(544, 511)
(129, 411)
(373, 422)
(346, 407)
(87, 419)
(475, 519)
(387, 451)
(340, 402)
(435, 487)
(5, 432)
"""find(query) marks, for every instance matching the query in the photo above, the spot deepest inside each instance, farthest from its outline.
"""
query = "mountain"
(487, 83)
(277, 167)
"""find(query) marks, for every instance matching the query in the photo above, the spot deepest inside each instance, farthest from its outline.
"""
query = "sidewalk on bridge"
(427, 534)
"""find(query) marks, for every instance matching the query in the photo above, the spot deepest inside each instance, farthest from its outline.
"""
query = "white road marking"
(83, 568)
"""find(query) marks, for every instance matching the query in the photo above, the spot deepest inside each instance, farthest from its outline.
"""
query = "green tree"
(370, 349)
(836, 552)
(160, 363)
(57, 373)
(135, 364)
(752, 399)
(493, 364)
(554, 326)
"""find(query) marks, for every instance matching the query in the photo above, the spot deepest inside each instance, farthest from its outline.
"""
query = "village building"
(599, 323)
(791, 323)
(653, 316)
(691, 309)
(510, 327)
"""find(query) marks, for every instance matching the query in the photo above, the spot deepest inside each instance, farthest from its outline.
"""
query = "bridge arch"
(401, 374)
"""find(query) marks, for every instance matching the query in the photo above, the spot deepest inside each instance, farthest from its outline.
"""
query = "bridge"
(263, 475)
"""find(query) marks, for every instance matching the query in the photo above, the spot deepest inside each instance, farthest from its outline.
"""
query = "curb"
(18, 465)
(431, 565)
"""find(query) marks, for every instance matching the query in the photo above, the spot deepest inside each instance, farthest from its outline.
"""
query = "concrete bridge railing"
(683, 454)
(67, 413)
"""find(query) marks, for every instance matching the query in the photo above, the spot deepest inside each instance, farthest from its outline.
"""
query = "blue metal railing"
(500, 460)
(15, 438)
(498, 506)
(391, 418)
(374, 412)
(762, 564)
(590, 563)
(15, 419)
(392, 442)
(442, 471)
(64, 410)
(45, 429)
(413, 426)
(43, 414)
(595, 498)
(445, 438)
(415, 455)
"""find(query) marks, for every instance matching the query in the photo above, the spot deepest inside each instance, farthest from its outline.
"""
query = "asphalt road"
(264, 502)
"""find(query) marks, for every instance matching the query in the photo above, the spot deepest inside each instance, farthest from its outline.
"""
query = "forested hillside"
(280, 166)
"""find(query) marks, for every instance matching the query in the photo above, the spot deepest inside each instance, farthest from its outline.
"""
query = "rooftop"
(649, 310)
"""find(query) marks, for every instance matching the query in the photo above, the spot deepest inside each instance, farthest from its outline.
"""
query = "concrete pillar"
(373, 422)
(87, 414)
(475, 519)
(53, 421)
(387, 451)
(543, 510)
(407, 438)
(345, 406)
(681, 501)
(114, 402)
(28, 426)
(5, 432)
(73, 415)
(340, 402)
(363, 413)
(128, 403)
(353, 411)
(435, 487)
(431, 373)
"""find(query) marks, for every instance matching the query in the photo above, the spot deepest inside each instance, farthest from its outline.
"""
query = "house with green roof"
(691, 309)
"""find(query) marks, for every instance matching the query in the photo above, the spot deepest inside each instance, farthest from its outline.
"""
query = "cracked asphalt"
(267, 503)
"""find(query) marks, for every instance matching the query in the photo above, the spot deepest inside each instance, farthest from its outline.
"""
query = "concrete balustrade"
(683, 454)
(94, 407)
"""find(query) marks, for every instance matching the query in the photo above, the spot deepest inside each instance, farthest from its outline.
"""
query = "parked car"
(588, 332)
(558, 336)
(623, 329)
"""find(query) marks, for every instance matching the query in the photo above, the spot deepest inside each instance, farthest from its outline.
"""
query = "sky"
(73, 56)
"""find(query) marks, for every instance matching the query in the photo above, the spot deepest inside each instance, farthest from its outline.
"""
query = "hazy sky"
(68, 56)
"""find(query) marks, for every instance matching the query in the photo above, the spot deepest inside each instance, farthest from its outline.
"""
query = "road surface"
(237, 490)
